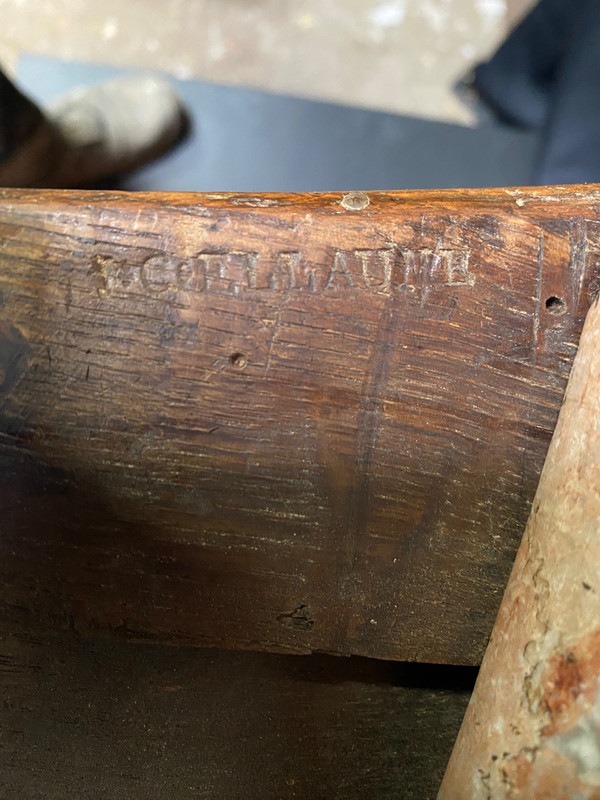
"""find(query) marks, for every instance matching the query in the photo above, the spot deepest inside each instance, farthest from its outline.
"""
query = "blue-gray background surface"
(251, 141)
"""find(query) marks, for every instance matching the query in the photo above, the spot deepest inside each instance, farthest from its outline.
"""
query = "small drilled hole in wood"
(554, 305)
(238, 360)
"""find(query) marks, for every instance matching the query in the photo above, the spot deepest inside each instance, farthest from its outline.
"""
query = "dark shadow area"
(99, 719)
(325, 668)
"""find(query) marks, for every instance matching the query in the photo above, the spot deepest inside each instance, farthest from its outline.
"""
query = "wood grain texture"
(290, 423)
(101, 720)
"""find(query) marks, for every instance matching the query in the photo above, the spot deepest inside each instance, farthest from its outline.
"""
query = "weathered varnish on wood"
(288, 423)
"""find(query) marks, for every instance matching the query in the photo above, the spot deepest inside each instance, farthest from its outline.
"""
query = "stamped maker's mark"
(238, 272)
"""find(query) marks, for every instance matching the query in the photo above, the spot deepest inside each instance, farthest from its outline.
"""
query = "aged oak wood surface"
(123, 721)
(289, 423)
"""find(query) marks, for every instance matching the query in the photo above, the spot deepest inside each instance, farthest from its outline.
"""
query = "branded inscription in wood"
(234, 272)
(290, 423)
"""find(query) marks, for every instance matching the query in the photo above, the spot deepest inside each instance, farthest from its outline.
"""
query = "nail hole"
(238, 360)
(554, 305)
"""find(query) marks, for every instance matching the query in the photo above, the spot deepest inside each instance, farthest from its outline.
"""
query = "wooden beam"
(122, 720)
(290, 423)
